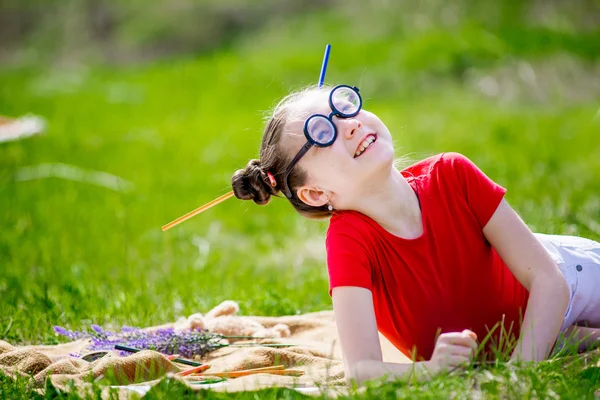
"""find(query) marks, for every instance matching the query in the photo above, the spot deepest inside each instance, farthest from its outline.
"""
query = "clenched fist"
(453, 349)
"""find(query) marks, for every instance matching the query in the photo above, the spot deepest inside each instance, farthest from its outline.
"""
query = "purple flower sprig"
(165, 340)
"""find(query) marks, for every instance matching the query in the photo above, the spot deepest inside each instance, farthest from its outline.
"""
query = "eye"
(322, 136)
(347, 107)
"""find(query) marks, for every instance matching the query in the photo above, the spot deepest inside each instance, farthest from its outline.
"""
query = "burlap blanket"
(317, 353)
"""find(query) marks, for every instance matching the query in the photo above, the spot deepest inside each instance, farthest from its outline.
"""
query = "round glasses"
(345, 102)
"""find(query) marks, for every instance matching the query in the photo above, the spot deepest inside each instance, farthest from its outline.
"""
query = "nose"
(348, 127)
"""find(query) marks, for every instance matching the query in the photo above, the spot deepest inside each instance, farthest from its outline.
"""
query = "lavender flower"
(98, 329)
(70, 334)
(165, 340)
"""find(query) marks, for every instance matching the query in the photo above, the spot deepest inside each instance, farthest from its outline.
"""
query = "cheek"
(369, 116)
(373, 120)
(328, 166)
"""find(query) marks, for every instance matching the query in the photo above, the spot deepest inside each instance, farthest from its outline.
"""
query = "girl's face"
(344, 170)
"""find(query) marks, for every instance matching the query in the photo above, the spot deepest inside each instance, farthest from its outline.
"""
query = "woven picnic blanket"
(316, 352)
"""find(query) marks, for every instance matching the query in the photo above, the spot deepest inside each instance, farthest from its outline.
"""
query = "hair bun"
(252, 183)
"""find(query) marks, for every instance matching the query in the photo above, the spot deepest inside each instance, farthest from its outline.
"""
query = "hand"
(453, 349)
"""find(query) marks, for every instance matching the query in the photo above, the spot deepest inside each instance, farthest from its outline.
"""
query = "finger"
(472, 344)
(449, 336)
(470, 333)
(456, 361)
(465, 333)
(460, 340)
(462, 351)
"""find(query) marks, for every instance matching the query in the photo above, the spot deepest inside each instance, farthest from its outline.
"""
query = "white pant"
(579, 261)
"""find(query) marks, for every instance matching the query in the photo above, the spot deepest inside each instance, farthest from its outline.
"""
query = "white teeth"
(364, 145)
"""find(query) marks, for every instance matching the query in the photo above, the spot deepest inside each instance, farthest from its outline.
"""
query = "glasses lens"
(345, 101)
(320, 130)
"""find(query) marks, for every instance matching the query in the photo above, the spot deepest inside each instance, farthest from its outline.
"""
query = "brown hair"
(252, 183)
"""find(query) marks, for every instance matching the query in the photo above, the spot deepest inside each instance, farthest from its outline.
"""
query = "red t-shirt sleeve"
(347, 259)
(483, 195)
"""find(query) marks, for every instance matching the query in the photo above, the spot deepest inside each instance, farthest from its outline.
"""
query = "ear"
(312, 196)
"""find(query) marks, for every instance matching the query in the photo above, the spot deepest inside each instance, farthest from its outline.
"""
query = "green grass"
(72, 254)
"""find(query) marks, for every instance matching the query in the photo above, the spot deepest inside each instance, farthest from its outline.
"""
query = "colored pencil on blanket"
(194, 370)
(207, 381)
(276, 370)
(260, 369)
(270, 368)
(237, 374)
(258, 344)
(256, 370)
(177, 360)
(289, 372)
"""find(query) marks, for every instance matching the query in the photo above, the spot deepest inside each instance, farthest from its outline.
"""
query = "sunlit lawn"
(74, 253)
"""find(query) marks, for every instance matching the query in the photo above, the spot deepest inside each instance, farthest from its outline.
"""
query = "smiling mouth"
(365, 144)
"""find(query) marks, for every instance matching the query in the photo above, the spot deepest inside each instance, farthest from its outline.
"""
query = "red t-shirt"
(446, 280)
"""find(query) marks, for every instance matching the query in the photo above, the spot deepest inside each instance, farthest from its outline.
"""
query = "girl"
(431, 256)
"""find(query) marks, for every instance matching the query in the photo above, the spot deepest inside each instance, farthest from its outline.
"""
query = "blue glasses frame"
(310, 142)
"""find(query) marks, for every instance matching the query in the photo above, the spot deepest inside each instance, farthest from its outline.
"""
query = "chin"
(386, 160)
(380, 165)
(385, 156)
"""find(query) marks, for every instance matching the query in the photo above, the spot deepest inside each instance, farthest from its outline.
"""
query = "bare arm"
(357, 328)
(533, 267)
(584, 338)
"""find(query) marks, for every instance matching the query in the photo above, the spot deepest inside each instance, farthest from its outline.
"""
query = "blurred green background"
(170, 97)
